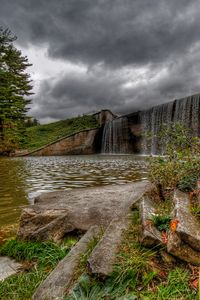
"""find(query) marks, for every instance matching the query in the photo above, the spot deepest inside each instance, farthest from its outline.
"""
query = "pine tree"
(15, 87)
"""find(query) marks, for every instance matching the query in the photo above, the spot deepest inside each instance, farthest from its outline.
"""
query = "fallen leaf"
(194, 284)
(173, 224)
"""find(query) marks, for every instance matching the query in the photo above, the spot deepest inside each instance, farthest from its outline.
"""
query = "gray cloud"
(159, 37)
(79, 93)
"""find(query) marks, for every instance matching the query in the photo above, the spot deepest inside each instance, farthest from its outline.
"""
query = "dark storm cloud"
(162, 37)
(112, 31)
(79, 93)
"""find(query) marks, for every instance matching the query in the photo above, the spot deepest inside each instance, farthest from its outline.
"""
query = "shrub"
(187, 183)
(180, 165)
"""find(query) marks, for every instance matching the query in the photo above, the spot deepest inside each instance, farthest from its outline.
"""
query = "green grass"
(176, 287)
(41, 135)
(38, 260)
(196, 211)
(46, 254)
(22, 286)
(195, 207)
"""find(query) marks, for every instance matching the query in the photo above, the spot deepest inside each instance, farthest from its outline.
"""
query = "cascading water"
(116, 136)
(186, 110)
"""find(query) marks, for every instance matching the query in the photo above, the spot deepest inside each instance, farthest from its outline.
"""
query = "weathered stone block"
(182, 250)
(188, 228)
(150, 235)
(102, 258)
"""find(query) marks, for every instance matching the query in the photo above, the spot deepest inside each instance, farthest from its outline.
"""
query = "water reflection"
(13, 193)
(21, 179)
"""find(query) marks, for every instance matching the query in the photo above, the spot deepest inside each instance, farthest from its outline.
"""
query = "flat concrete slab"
(8, 267)
(55, 214)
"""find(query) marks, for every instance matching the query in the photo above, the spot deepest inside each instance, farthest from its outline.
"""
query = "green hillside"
(42, 135)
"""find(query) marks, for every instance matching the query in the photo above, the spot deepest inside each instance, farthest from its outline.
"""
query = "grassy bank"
(42, 135)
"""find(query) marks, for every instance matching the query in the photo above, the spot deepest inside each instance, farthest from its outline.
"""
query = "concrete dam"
(127, 134)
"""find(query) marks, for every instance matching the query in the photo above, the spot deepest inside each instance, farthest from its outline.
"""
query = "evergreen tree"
(15, 87)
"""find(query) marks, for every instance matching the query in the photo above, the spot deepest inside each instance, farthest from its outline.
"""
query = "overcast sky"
(125, 55)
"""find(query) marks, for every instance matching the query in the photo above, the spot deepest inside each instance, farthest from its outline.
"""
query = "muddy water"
(21, 179)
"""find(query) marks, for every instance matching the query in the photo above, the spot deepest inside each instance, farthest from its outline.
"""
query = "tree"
(30, 122)
(15, 87)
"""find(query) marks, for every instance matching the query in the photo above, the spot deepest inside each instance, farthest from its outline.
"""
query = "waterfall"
(116, 136)
(186, 110)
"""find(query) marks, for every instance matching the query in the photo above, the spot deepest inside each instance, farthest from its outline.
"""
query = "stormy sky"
(124, 55)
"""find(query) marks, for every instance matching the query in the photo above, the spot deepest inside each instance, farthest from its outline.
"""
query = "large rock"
(57, 213)
(184, 240)
(188, 228)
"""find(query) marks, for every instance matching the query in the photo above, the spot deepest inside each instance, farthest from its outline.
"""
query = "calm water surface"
(21, 179)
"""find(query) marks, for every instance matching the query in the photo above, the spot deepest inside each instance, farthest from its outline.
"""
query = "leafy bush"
(180, 164)
(187, 183)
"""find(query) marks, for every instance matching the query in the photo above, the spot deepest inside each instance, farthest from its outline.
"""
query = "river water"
(21, 179)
